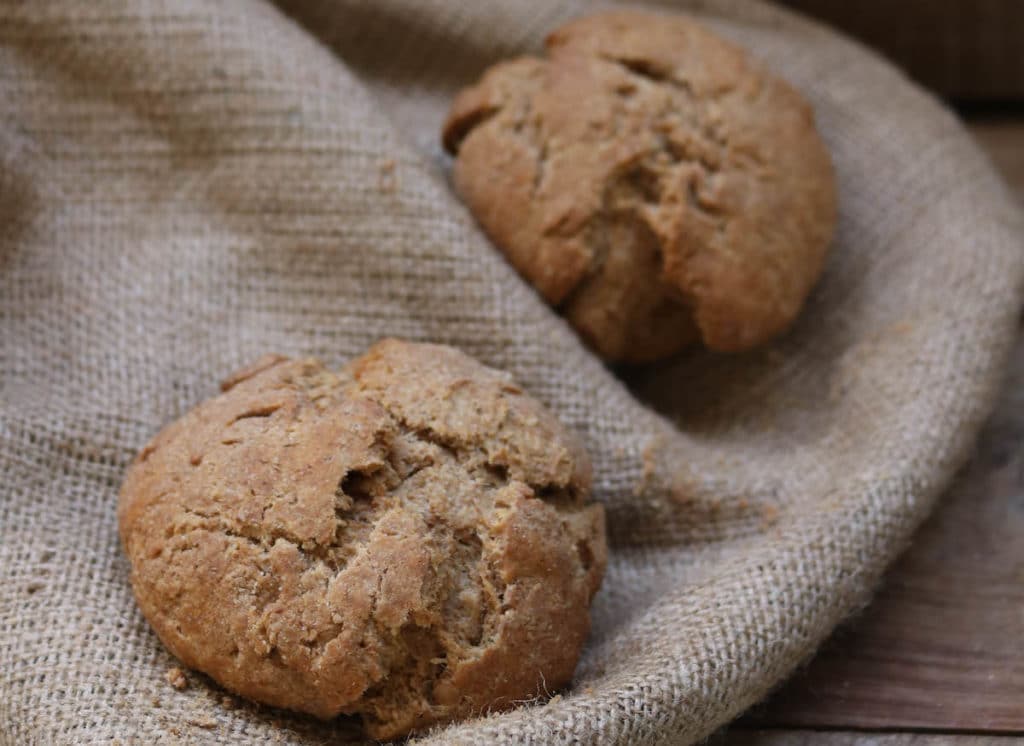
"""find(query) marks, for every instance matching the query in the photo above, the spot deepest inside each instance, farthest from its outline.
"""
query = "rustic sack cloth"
(185, 185)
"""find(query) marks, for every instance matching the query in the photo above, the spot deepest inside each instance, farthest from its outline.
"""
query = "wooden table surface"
(938, 656)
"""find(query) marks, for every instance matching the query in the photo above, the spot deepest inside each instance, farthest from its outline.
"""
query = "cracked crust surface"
(408, 539)
(651, 181)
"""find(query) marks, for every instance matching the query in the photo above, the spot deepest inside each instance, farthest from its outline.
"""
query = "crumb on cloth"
(204, 721)
(176, 678)
(387, 178)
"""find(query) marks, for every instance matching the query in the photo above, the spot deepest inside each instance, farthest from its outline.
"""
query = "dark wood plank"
(740, 737)
(1003, 138)
(965, 49)
(942, 645)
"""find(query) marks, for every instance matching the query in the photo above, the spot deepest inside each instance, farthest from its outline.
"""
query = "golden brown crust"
(407, 539)
(651, 181)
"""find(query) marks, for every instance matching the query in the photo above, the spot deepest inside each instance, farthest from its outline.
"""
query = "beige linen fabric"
(185, 185)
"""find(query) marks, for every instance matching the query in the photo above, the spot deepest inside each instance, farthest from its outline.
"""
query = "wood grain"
(1003, 139)
(942, 645)
(964, 49)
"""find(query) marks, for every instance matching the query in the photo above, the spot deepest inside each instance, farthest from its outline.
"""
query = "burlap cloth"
(186, 185)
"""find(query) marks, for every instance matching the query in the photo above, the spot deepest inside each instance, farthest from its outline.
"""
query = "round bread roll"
(408, 539)
(651, 181)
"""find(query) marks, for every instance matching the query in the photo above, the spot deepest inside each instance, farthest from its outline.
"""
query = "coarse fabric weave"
(185, 185)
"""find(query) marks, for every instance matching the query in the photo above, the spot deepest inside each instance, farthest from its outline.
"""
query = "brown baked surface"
(652, 181)
(407, 539)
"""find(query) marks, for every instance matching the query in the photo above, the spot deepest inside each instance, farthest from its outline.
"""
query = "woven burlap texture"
(185, 185)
